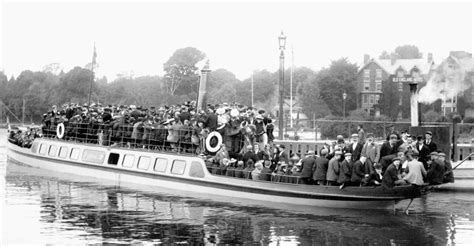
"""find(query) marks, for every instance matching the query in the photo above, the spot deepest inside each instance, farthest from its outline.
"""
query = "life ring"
(208, 141)
(60, 130)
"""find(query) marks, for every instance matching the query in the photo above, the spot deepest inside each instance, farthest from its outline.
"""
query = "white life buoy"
(208, 141)
(60, 130)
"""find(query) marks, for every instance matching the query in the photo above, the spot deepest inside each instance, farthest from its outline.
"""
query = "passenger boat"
(190, 174)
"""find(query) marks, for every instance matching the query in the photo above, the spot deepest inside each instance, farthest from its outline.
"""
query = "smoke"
(446, 82)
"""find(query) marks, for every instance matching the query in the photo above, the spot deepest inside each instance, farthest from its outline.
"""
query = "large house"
(458, 70)
(374, 74)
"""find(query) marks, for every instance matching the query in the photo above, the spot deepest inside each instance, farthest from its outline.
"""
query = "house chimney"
(430, 57)
(366, 59)
(393, 59)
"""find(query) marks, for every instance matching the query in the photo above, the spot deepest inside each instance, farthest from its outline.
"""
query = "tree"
(385, 55)
(180, 71)
(408, 52)
(311, 100)
(221, 86)
(339, 77)
(74, 85)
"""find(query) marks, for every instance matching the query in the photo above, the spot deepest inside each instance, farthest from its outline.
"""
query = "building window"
(377, 98)
(366, 80)
(366, 73)
(378, 73)
(378, 84)
(365, 100)
(371, 99)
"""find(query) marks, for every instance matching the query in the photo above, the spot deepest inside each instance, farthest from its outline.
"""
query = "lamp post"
(344, 96)
(282, 43)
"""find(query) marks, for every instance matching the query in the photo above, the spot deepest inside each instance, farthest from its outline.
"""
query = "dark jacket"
(435, 174)
(423, 152)
(211, 122)
(321, 169)
(386, 149)
(307, 167)
(265, 174)
(355, 152)
(345, 172)
(358, 172)
(432, 146)
(250, 155)
(390, 176)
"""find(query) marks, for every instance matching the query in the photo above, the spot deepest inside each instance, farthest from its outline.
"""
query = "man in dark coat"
(211, 120)
(429, 142)
(355, 147)
(321, 168)
(307, 167)
(423, 151)
(448, 169)
(283, 154)
(359, 171)
(435, 174)
(388, 151)
(249, 155)
(345, 172)
(390, 177)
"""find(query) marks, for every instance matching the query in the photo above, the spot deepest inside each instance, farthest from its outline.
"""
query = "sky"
(241, 37)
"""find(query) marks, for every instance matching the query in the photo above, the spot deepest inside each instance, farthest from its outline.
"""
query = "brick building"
(374, 74)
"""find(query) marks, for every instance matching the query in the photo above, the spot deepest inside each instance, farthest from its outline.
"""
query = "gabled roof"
(406, 64)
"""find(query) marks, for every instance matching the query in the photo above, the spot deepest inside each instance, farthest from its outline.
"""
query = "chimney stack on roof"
(430, 57)
(366, 59)
(393, 58)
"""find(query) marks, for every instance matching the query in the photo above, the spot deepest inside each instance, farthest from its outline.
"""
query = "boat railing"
(181, 139)
(234, 172)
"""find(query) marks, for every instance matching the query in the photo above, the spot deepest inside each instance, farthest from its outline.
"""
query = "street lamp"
(344, 96)
(282, 43)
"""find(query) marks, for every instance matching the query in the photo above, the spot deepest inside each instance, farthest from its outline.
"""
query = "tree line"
(318, 93)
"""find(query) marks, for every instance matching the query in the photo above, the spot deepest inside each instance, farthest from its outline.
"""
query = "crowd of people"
(244, 148)
(180, 128)
(401, 159)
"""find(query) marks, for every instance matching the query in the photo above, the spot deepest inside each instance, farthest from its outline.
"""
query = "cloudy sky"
(239, 36)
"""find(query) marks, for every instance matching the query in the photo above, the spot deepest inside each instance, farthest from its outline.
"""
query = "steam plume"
(447, 81)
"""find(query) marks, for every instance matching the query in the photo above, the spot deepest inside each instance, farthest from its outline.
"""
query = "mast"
(291, 87)
(92, 76)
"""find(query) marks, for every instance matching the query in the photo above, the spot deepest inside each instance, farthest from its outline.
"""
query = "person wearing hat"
(360, 171)
(321, 167)
(266, 172)
(307, 168)
(345, 172)
(238, 171)
(374, 178)
(261, 130)
(415, 172)
(333, 169)
(435, 173)
(355, 147)
(361, 133)
(391, 130)
(371, 150)
(429, 141)
(391, 177)
(211, 120)
(448, 169)
(423, 151)
(250, 155)
(283, 154)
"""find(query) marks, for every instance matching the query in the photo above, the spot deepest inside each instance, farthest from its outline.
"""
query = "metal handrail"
(465, 159)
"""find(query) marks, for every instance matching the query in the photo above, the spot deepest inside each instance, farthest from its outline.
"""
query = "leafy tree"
(311, 100)
(264, 88)
(339, 77)
(74, 85)
(389, 100)
(180, 71)
(408, 52)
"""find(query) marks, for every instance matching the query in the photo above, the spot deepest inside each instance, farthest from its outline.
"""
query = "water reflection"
(55, 207)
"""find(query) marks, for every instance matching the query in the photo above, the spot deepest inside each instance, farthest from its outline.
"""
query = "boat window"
(74, 154)
(93, 156)
(128, 160)
(52, 150)
(144, 162)
(42, 149)
(63, 151)
(178, 167)
(34, 147)
(160, 165)
(196, 170)
(113, 158)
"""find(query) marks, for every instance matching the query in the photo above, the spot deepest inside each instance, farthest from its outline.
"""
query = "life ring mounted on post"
(209, 141)
(60, 130)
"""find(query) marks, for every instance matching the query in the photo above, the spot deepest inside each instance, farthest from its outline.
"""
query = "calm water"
(39, 206)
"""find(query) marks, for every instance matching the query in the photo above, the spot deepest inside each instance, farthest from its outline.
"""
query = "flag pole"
(92, 76)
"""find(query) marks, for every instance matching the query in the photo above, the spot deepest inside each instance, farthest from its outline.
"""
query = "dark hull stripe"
(225, 186)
